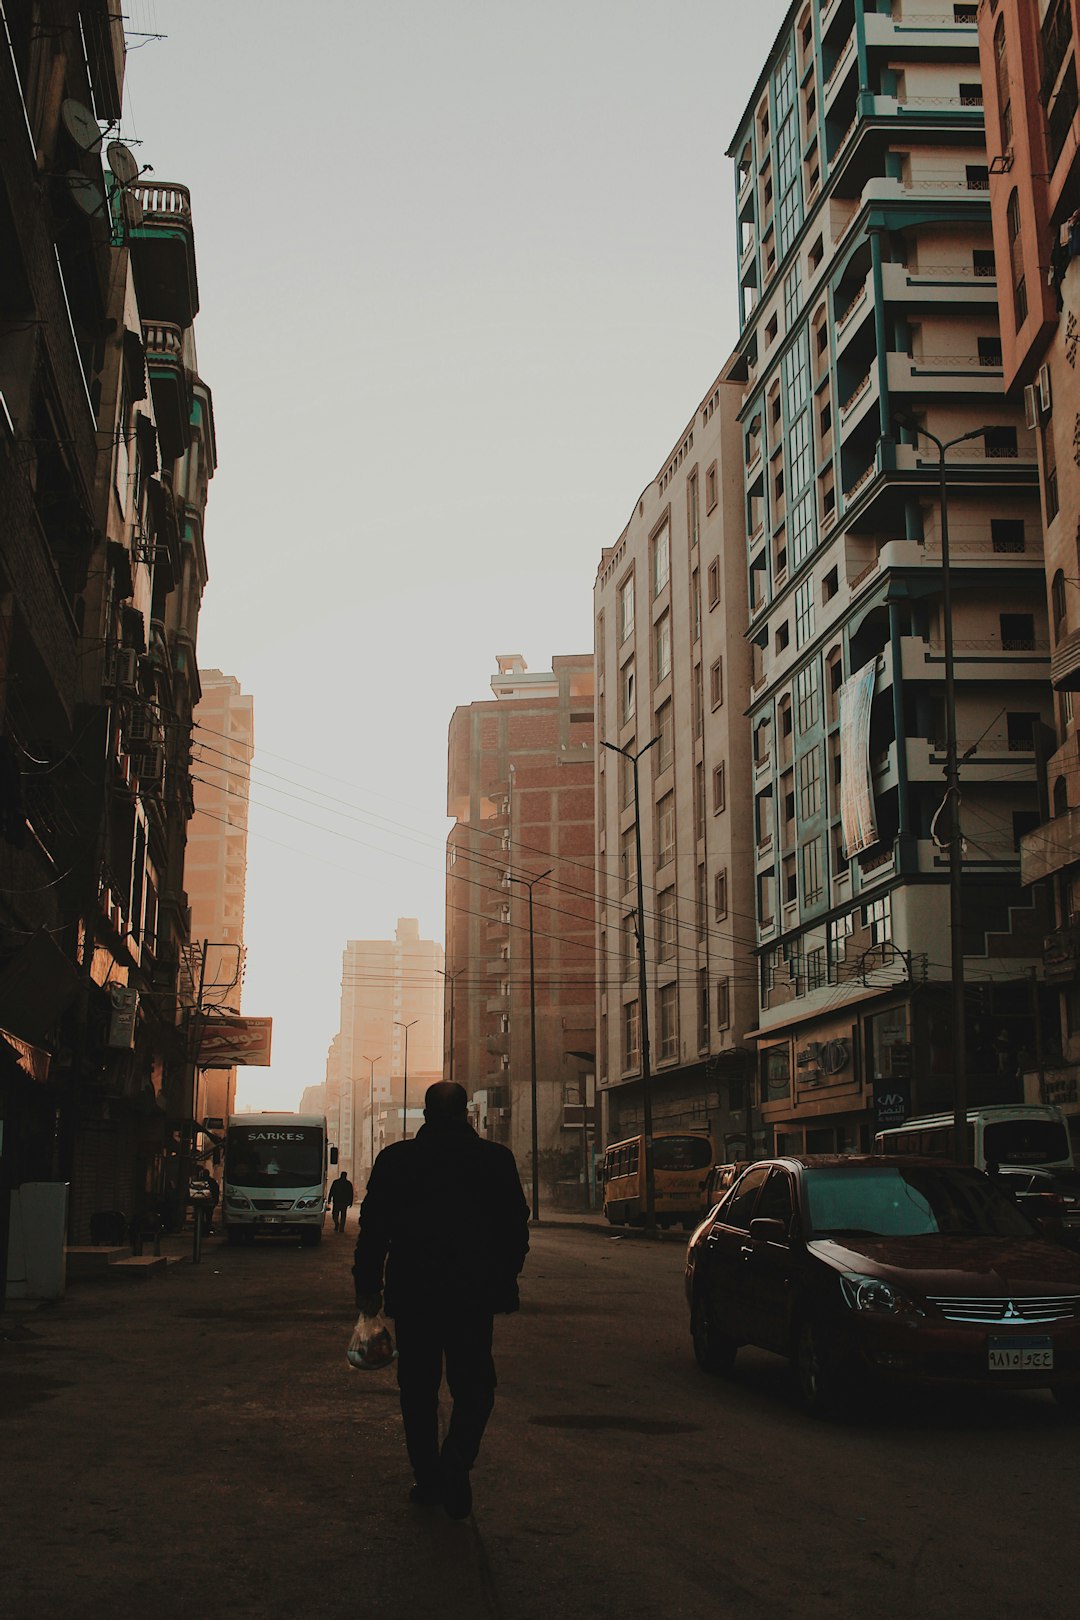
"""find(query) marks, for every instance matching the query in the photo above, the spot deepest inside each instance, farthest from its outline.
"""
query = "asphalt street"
(196, 1445)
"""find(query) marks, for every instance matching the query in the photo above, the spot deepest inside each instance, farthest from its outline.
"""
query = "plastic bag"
(372, 1345)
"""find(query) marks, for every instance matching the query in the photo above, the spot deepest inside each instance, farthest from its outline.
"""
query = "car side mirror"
(768, 1230)
(333, 1155)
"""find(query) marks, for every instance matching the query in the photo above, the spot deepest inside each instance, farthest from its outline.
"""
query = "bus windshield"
(1025, 1141)
(681, 1152)
(274, 1156)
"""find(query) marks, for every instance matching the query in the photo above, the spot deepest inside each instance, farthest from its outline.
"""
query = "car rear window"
(1025, 1141)
(909, 1202)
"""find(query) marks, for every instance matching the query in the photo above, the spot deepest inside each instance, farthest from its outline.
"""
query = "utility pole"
(952, 798)
(643, 996)
(529, 883)
(371, 1108)
(450, 977)
(405, 1078)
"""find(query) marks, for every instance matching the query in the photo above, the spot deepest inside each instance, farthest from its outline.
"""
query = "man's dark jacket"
(446, 1215)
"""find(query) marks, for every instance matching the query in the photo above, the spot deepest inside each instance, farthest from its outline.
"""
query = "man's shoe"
(456, 1487)
(425, 1495)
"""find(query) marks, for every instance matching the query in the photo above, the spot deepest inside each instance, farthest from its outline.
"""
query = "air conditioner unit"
(139, 727)
(1044, 388)
(148, 765)
(127, 669)
(1031, 407)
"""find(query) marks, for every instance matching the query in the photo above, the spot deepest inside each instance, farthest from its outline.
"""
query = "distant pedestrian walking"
(446, 1220)
(341, 1196)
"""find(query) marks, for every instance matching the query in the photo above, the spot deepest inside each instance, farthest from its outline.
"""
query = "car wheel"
(822, 1391)
(713, 1351)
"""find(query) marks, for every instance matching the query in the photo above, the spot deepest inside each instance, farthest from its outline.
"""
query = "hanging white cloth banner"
(856, 788)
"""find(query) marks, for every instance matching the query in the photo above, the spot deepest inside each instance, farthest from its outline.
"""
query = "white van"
(1012, 1134)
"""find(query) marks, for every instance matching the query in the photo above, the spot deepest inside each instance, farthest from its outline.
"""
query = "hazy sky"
(466, 270)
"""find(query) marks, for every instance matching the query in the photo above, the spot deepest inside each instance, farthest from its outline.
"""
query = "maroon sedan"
(883, 1269)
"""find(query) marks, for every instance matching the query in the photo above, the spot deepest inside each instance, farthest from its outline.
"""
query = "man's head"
(445, 1101)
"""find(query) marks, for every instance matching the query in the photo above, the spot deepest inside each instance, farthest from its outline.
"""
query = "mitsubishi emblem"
(1011, 1314)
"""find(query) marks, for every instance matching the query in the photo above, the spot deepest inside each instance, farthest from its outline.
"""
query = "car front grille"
(1008, 1309)
(272, 1203)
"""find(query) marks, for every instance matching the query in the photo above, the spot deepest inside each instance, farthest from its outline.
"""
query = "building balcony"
(847, 59)
(945, 374)
(938, 284)
(1050, 848)
(170, 385)
(1065, 663)
(163, 254)
(860, 399)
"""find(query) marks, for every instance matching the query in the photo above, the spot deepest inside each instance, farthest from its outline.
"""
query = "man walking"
(341, 1197)
(445, 1217)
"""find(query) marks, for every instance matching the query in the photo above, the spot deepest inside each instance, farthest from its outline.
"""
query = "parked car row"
(865, 1271)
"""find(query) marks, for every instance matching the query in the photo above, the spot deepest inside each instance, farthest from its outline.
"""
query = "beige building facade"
(673, 674)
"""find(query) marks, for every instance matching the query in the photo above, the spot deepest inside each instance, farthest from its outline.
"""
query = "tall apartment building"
(106, 450)
(387, 985)
(672, 664)
(1029, 59)
(520, 789)
(869, 312)
(215, 871)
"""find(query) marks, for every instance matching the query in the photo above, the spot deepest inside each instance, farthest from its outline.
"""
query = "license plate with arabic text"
(270, 1220)
(1020, 1355)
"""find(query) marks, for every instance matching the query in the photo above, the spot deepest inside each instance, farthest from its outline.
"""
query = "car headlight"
(878, 1298)
(237, 1201)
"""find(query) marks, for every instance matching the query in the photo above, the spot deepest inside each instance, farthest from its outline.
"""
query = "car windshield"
(909, 1201)
(681, 1152)
(1025, 1141)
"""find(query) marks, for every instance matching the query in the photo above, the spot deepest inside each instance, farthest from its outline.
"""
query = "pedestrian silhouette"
(341, 1197)
(444, 1230)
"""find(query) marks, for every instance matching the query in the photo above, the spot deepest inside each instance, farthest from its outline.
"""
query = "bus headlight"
(307, 1203)
(235, 1200)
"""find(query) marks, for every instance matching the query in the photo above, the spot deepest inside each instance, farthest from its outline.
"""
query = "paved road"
(197, 1446)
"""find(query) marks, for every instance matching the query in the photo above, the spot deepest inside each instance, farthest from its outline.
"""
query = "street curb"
(634, 1233)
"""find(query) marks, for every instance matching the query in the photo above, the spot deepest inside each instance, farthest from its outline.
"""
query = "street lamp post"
(405, 1078)
(371, 1106)
(952, 798)
(528, 883)
(643, 997)
(450, 977)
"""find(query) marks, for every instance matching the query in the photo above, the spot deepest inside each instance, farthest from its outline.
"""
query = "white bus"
(1011, 1135)
(274, 1180)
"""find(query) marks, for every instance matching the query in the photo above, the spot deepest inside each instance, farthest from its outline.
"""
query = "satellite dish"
(85, 193)
(81, 125)
(121, 162)
(132, 209)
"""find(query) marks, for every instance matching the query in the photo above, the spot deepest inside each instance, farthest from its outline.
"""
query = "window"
(665, 924)
(1017, 632)
(701, 907)
(699, 800)
(626, 782)
(1058, 603)
(815, 968)
(817, 253)
(661, 558)
(989, 351)
(692, 514)
(699, 700)
(1000, 442)
(662, 648)
(719, 790)
(631, 1036)
(804, 612)
(983, 263)
(669, 1021)
(812, 872)
(665, 830)
(723, 1003)
(703, 1009)
(740, 1206)
(1050, 477)
(712, 487)
(782, 637)
(1020, 730)
(720, 895)
(629, 945)
(1007, 534)
(695, 606)
(971, 95)
(877, 919)
(665, 732)
(807, 697)
(716, 683)
(629, 695)
(977, 177)
(830, 585)
(714, 582)
(626, 609)
(1016, 256)
(809, 775)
